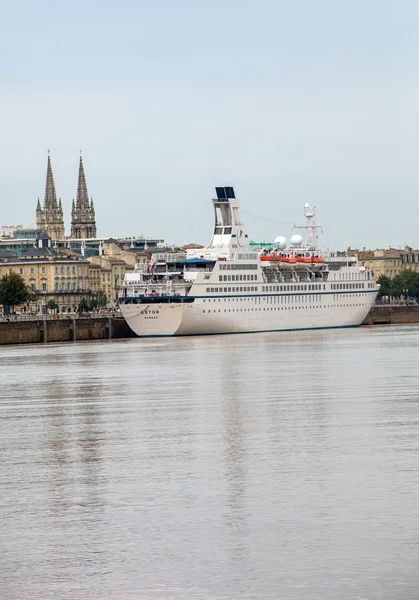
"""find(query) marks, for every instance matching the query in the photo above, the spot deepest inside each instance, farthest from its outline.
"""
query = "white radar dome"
(281, 242)
(296, 240)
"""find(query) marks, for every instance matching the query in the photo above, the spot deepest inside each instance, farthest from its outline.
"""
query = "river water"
(263, 466)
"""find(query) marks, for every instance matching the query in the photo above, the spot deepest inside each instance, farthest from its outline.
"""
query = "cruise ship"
(231, 287)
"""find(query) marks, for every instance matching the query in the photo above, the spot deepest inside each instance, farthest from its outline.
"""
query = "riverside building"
(54, 274)
(388, 262)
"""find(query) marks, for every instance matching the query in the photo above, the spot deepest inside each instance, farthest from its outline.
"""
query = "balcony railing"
(66, 292)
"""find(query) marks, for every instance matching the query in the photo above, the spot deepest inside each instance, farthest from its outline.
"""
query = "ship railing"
(187, 269)
(159, 284)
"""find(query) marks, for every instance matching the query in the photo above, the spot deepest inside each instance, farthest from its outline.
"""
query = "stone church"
(50, 217)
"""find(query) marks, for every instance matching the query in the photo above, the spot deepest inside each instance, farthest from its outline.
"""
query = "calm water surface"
(271, 466)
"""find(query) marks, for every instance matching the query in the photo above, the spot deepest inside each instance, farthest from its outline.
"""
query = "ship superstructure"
(229, 287)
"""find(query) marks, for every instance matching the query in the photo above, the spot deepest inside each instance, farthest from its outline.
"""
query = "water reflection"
(262, 466)
(235, 456)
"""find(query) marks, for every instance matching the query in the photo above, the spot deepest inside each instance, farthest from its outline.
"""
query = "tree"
(102, 299)
(13, 291)
(83, 306)
(52, 305)
(99, 300)
(405, 283)
(34, 295)
(385, 286)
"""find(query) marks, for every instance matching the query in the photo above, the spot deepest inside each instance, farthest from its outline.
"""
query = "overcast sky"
(288, 101)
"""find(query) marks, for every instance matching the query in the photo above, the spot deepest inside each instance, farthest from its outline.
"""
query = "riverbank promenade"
(26, 329)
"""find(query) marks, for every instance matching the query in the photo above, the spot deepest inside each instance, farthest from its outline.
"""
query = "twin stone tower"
(50, 217)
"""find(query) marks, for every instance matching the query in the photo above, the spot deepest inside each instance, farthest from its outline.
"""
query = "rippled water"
(281, 466)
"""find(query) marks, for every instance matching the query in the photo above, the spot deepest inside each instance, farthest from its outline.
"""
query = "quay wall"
(62, 330)
(392, 314)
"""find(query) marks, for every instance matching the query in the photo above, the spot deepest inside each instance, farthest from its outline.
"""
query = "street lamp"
(116, 289)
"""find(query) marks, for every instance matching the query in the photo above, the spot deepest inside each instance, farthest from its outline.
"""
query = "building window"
(44, 287)
(43, 270)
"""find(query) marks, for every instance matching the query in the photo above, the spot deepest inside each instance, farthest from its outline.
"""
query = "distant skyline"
(289, 102)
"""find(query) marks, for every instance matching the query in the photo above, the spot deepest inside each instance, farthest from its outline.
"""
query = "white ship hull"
(229, 287)
(247, 314)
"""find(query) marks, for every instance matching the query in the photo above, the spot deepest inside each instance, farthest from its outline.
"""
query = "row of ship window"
(281, 308)
(266, 288)
(293, 288)
(237, 267)
(245, 288)
(237, 277)
(351, 286)
(288, 288)
(302, 299)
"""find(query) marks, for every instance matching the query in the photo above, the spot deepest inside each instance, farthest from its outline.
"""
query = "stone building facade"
(53, 273)
(388, 262)
(64, 276)
(113, 249)
(112, 275)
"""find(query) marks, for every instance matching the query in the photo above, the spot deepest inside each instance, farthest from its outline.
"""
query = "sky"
(288, 101)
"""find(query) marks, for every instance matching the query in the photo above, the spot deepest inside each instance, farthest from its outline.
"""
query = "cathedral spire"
(83, 221)
(82, 201)
(50, 217)
(50, 198)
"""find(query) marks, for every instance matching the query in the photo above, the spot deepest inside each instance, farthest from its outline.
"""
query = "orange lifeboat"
(305, 260)
(291, 260)
(270, 257)
(317, 260)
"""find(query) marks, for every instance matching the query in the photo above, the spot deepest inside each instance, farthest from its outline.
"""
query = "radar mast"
(310, 226)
